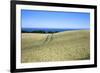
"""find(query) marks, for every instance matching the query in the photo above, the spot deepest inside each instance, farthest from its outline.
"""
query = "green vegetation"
(39, 31)
(62, 46)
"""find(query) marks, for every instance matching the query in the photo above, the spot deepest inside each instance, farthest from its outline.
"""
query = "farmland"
(62, 46)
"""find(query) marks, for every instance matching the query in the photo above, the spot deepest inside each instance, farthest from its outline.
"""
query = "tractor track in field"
(48, 39)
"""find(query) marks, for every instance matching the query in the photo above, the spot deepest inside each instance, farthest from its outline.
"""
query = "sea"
(49, 29)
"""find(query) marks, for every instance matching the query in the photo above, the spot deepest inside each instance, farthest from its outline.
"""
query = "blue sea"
(48, 29)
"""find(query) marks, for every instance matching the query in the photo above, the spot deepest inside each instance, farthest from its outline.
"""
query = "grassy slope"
(68, 45)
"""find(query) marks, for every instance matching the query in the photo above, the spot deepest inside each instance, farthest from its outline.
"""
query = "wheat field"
(62, 46)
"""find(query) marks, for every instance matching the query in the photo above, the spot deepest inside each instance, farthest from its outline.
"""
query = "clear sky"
(50, 19)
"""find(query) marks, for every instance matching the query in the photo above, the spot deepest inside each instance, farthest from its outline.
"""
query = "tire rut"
(48, 39)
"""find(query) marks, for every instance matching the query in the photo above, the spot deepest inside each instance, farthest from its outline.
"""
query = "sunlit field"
(62, 46)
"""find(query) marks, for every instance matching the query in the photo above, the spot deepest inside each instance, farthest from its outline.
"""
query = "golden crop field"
(62, 46)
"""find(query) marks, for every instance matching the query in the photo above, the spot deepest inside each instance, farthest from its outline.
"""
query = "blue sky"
(50, 19)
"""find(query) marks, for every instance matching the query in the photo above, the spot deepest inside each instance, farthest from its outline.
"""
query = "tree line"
(39, 31)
